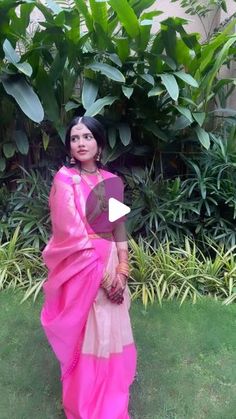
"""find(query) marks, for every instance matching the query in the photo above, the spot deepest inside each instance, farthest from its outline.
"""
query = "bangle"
(123, 268)
(106, 282)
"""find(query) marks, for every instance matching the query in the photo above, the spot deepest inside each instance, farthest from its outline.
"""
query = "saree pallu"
(90, 336)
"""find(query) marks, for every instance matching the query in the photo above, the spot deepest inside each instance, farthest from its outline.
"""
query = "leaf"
(99, 104)
(199, 117)
(89, 93)
(222, 56)
(25, 97)
(22, 142)
(109, 71)
(81, 6)
(46, 139)
(168, 34)
(10, 53)
(181, 123)
(148, 78)
(9, 150)
(153, 128)
(71, 105)
(112, 136)
(2, 164)
(127, 91)
(186, 112)
(156, 91)
(127, 17)
(14, 59)
(115, 59)
(187, 78)
(24, 68)
(168, 61)
(203, 137)
(125, 133)
(45, 86)
(56, 9)
(112, 154)
(99, 13)
(150, 15)
(123, 47)
(171, 85)
(146, 22)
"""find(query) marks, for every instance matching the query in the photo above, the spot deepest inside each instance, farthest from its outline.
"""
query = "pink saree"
(90, 336)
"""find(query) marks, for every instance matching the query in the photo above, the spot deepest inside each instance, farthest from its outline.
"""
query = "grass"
(186, 364)
(187, 361)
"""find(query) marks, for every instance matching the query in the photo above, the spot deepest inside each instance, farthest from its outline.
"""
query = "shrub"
(180, 273)
(21, 267)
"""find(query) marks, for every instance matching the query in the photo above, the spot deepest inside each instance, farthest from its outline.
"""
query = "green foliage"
(27, 207)
(150, 89)
(201, 205)
(181, 273)
(21, 267)
(201, 9)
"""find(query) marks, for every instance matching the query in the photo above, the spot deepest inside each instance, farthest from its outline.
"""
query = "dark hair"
(93, 125)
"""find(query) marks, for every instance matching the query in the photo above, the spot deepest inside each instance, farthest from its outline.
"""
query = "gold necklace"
(89, 171)
(98, 190)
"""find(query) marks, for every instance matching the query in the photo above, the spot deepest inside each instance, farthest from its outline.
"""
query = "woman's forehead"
(79, 129)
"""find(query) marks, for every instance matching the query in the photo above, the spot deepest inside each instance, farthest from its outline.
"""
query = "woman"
(85, 313)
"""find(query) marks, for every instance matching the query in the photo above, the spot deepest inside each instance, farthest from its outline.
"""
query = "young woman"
(85, 314)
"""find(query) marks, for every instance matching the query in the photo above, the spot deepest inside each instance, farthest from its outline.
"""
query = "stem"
(209, 33)
(201, 20)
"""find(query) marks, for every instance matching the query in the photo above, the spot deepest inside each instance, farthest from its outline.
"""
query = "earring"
(98, 156)
(72, 160)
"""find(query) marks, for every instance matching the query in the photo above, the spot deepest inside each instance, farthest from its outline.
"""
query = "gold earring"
(98, 156)
(72, 160)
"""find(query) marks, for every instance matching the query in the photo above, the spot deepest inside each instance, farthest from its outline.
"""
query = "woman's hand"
(115, 294)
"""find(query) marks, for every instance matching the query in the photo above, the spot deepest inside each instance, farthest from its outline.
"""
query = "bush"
(200, 205)
(180, 273)
(27, 206)
(21, 267)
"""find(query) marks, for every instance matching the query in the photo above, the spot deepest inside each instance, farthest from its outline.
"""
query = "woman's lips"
(82, 152)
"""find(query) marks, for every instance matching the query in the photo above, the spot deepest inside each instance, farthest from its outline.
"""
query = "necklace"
(89, 171)
(98, 190)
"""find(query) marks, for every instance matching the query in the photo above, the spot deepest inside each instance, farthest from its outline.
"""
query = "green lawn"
(186, 368)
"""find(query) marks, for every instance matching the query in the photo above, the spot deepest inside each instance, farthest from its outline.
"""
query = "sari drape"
(90, 336)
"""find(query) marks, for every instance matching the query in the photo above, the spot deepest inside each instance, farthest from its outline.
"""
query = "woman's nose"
(81, 141)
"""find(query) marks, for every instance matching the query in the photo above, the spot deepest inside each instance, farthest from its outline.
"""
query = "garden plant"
(170, 134)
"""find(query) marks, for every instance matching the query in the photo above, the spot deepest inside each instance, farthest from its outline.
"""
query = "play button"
(116, 209)
(104, 207)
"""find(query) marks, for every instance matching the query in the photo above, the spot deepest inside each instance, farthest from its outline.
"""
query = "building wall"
(195, 25)
(208, 24)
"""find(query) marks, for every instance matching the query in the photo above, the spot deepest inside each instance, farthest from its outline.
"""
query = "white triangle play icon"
(116, 209)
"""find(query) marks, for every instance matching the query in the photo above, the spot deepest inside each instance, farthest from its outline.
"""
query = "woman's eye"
(88, 137)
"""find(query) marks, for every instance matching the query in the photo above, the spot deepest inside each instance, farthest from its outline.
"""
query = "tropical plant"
(169, 273)
(201, 205)
(21, 267)
(202, 9)
(101, 58)
(18, 99)
(26, 207)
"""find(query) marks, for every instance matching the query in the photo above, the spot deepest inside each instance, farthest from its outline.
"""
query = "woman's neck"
(89, 166)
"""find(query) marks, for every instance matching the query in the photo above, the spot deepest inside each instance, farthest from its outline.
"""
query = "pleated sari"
(90, 336)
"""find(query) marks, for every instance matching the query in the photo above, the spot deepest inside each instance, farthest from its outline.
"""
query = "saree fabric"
(90, 336)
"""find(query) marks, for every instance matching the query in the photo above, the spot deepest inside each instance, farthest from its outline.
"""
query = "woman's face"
(83, 146)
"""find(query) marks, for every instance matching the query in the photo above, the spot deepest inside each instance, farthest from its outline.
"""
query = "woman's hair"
(93, 125)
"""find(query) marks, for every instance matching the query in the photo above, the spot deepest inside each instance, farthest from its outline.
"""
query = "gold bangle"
(123, 267)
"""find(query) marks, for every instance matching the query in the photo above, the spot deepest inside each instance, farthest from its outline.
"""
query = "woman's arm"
(122, 269)
(120, 237)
